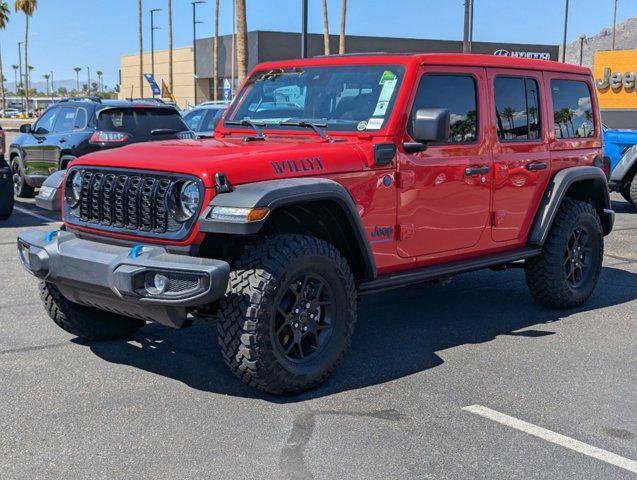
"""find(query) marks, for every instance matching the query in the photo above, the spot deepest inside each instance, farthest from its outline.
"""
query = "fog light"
(23, 250)
(160, 283)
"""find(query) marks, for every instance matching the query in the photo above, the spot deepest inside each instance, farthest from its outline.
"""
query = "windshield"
(339, 98)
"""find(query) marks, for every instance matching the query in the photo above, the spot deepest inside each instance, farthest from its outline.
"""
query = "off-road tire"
(20, 186)
(6, 199)
(85, 322)
(545, 275)
(246, 313)
(629, 191)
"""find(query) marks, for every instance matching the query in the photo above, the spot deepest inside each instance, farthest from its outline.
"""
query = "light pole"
(52, 88)
(304, 30)
(194, 42)
(88, 74)
(20, 64)
(564, 38)
(614, 24)
(581, 48)
(152, 41)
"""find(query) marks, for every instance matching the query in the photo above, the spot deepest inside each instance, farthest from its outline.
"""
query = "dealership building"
(615, 73)
(268, 46)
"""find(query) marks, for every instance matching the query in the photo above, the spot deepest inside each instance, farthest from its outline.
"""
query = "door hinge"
(405, 179)
(405, 231)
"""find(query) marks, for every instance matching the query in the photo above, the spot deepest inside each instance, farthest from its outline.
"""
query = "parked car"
(10, 113)
(399, 169)
(616, 143)
(6, 187)
(72, 128)
(624, 176)
(204, 118)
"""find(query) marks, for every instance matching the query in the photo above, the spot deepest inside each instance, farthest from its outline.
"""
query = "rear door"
(60, 139)
(521, 157)
(444, 191)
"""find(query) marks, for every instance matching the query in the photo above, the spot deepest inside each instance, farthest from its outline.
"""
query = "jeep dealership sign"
(536, 55)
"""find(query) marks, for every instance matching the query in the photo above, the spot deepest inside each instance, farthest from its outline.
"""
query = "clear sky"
(69, 33)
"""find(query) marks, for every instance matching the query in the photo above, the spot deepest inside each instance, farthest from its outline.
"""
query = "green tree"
(28, 7)
(77, 71)
(47, 77)
(100, 74)
(15, 76)
(4, 19)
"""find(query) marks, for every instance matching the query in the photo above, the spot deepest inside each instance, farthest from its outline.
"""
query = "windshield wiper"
(163, 131)
(314, 126)
(249, 123)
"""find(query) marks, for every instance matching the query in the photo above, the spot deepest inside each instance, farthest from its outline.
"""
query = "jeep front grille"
(129, 202)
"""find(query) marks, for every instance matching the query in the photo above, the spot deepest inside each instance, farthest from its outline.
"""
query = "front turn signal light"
(238, 214)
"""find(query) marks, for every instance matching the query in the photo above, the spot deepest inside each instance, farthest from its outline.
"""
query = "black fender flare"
(555, 192)
(625, 167)
(274, 194)
(65, 159)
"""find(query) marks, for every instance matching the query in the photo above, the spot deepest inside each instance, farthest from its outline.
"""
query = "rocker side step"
(433, 272)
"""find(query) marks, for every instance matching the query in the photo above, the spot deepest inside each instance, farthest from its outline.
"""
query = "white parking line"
(553, 437)
(36, 215)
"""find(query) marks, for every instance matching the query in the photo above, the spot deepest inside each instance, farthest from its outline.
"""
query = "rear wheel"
(20, 186)
(565, 274)
(631, 190)
(288, 314)
(85, 322)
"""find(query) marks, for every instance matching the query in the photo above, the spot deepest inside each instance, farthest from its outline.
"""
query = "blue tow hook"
(136, 251)
(51, 235)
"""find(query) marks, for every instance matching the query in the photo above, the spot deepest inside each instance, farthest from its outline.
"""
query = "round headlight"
(189, 198)
(74, 188)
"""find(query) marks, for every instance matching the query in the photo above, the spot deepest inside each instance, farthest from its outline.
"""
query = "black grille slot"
(130, 202)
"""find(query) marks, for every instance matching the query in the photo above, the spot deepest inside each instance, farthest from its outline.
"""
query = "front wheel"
(566, 273)
(20, 186)
(288, 313)
(629, 191)
(85, 322)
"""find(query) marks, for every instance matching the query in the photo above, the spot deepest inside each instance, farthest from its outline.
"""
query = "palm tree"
(47, 77)
(341, 45)
(77, 76)
(242, 40)
(28, 75)
(507, 113)
(326, 30)
(141, 50)
(4, 19)
(215, 56)
(170, 45)
(27, 7)
(15, 76)
(99, 77)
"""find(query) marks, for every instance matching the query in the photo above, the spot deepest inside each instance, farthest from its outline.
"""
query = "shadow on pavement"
(398, 333)
(622, 206)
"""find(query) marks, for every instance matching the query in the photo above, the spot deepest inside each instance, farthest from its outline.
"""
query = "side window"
(65, 120)
(193, 119)
(572, 110)
(46, 121)
(456, 93)
(517, 108)
(80, 119)
(212, 119)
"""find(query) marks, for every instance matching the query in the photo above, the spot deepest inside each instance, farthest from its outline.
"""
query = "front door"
(37, 142)
(444, 191)
(521, 158)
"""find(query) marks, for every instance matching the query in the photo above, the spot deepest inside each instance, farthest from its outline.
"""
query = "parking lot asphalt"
(402, 404)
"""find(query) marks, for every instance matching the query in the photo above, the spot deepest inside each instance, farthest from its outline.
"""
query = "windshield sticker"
(298, 166)
(361, 126)
(387, 76)
(384, 97)
(375, 123)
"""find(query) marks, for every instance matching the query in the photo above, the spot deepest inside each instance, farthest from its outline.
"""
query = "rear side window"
(211, 120)
(572, 110)
(80, 119)
(517, 108)
(193, 119)
(142, 122)
(456, 93)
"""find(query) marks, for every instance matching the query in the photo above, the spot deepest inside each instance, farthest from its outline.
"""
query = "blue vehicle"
(616, 143)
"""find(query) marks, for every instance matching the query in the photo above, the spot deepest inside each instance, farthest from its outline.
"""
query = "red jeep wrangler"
(329, 179)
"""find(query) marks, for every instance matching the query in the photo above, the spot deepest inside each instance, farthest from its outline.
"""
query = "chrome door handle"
(533, 167)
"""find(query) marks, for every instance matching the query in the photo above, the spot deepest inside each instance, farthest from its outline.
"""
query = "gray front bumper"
(119, 279)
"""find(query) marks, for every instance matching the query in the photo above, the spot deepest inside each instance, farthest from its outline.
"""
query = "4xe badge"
(380, 234)
(297, 166)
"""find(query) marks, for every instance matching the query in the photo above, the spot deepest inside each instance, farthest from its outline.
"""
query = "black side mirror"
(25, 128)
(431, 125)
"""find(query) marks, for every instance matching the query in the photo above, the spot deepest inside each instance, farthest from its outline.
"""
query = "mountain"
(40, 86)
(625, 39)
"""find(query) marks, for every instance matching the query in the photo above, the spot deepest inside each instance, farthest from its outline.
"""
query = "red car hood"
(242, 162)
